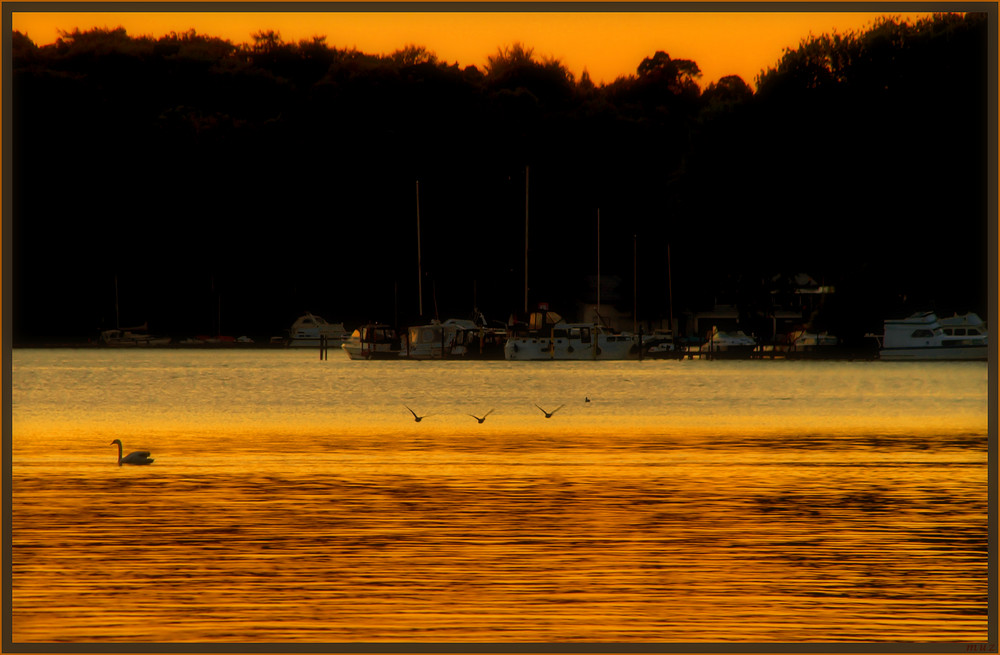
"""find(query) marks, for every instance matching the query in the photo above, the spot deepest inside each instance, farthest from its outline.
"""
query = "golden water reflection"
(378, 529)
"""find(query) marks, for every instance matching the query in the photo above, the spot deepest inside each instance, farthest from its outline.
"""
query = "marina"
(488, 348)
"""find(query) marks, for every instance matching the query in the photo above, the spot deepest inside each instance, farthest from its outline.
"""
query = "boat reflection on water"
(689, 501)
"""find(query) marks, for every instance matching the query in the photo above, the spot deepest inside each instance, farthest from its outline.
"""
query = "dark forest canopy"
(270, 178)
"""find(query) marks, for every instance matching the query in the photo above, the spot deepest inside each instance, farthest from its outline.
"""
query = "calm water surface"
(294, 499)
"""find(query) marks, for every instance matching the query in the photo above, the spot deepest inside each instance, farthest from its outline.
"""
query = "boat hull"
(138, 342)
(942, 353)
(378, 352)
(541, 349)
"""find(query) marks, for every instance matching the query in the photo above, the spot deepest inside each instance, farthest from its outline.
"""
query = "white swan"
(137, 457)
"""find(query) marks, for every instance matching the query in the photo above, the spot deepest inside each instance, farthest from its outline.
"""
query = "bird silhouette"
(137, 457)
(586, 399)
(549, 414)
(415, 417)
(483, 417)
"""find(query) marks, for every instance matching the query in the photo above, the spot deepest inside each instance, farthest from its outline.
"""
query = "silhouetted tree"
(677, 75)
(412, 55)
(193, 147)
(22, 48)
(729, 90)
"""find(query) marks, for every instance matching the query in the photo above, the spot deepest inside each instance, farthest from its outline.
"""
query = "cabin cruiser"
(308, 329)
(549, 337)
(474, 341)
(925, 336)
(803, 344)
(455, 338)
(434, 340)
(130, 337)
(373, 341)
(727, 345)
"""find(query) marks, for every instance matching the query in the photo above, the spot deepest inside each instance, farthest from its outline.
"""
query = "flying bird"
(415, 417)
(483, 418)
(549, 414)
(137, 457)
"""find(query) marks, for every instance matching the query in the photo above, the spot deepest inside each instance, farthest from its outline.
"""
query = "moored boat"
(453, 339)
(661, 345)
(727, 345)
(434, 340)
(803, 344)
(308, 330)
(372, 341)
(132, 337)
(551, 338)
(925, 336)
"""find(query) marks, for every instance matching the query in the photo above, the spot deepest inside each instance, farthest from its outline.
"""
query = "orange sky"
(606, 44)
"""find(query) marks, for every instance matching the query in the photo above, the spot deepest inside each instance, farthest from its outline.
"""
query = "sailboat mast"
(635, 286)
(598, 312)
(118, 324)
(670, 292)
(526, 240)
(420, 270)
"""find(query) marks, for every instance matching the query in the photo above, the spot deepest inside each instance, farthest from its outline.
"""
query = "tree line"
(254, 181)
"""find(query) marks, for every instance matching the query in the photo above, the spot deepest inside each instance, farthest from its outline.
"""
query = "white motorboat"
(925, 336)
(734, 344)
(308, 329)
(454, 338)
(372, 341)
(434, 340)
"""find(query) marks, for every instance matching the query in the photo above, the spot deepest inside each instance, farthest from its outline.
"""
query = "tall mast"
(118, 324)
(598, 312)
(420, 270)
(635, 286)
(670, 292)
(525, 240)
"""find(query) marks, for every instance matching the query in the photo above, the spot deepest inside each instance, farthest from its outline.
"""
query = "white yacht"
(924, 336)
(434, 340)
(566, 341)
(307, 330)
(455, 338)
(727, 345)
(372, 341)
